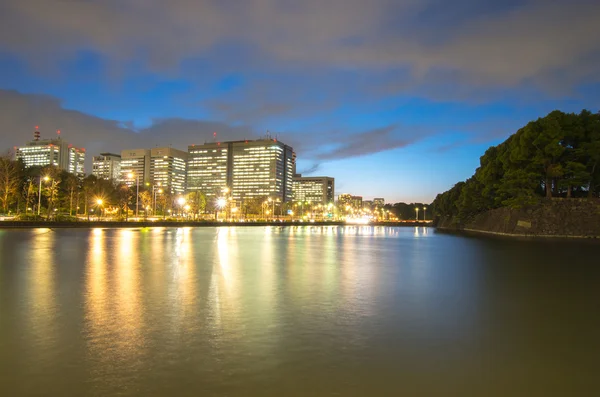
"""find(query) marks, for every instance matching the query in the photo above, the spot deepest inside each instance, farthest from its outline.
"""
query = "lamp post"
(137, 191)
(270, 200)
(417, 212)
(424, 214)
(181, 202)
(154, 198)
(99, 202)
(46, 179)
(221, 203)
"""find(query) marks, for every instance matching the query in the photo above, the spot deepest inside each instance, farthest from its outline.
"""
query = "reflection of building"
(56, 152)
(167, 168)
(378, 202)
(136, 162)
(316, 189)
(251, 169)
(354, 202)
(107, 166)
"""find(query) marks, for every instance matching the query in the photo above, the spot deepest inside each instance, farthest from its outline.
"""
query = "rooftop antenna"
(58, 133)
(214, 137)
(36, 133)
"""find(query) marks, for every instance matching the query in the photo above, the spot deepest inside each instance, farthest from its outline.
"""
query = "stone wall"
(550, 218)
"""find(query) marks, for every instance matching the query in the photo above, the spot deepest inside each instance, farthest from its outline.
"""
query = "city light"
(221, 202)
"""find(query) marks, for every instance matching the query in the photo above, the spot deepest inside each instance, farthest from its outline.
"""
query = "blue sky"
(393, 98)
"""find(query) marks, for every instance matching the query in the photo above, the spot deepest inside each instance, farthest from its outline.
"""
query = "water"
(303, 311)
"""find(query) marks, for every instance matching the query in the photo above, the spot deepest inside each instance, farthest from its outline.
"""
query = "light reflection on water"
(309, 310)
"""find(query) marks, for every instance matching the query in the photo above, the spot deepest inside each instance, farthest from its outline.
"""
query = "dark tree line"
(554, 156)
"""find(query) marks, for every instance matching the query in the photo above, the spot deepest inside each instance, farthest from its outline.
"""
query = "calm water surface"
(299, 311)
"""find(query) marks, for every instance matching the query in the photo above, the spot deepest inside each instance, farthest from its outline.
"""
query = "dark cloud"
(482, 43)
(22, 112)
(310, 170)
(367, 142)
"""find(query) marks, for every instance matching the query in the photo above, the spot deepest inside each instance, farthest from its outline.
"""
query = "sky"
(393, 98)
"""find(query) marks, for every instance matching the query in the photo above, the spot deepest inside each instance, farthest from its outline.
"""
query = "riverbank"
(551, 219)
(144, 224)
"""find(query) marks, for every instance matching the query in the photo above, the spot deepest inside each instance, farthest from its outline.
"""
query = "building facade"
(168, 169)
(314, 189)
(207, 168)
(135, 166)
(354, 202)
(56, 152)
(107, 166)
(378, 202)
(248, 169)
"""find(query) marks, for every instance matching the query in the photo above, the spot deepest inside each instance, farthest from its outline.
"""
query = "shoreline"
(148, 224)
(517, 236)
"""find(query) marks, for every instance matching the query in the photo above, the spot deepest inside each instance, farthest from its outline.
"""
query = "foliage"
(554, 156)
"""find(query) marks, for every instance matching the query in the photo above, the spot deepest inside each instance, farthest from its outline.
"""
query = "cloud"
(310, 170)
(22, 112)
(365, 143)
(466, 42)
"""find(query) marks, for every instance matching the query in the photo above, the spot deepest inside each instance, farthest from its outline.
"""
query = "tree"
(146, 201)
(9, 181)
(197, 202)
(71, 185)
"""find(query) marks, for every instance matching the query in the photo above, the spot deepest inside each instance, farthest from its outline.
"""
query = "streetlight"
(425, 214)
(46, 179)
(99, 202)
(271, 200)
(417, 211)
(181, 202)
(137, 191)
(221, 203)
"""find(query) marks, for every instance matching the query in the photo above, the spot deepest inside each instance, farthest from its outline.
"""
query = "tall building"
(77, 161)
(135, 165)
(54, 151)
(207, 168)
(316, 189)
(107, 166)
(250, 169)
(168, 169)
(378, 202)
(346, 199)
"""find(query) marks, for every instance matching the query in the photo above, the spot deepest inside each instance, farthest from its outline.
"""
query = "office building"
(107, 166)
(378, 202)
(135, 166)
(168, 169)
(54, 151)
(314, 189)
(249, 169)
(355, 202)
(207, 168)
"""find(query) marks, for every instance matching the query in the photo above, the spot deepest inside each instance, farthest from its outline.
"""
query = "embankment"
(554, 218)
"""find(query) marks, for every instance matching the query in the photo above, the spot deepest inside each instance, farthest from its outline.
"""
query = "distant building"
(107, 166)
(135, 165)
(368, 204)
(354, 202)
(168, 169)
(316, 189)
(250, 169)
(54, 151)
(378, 202)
